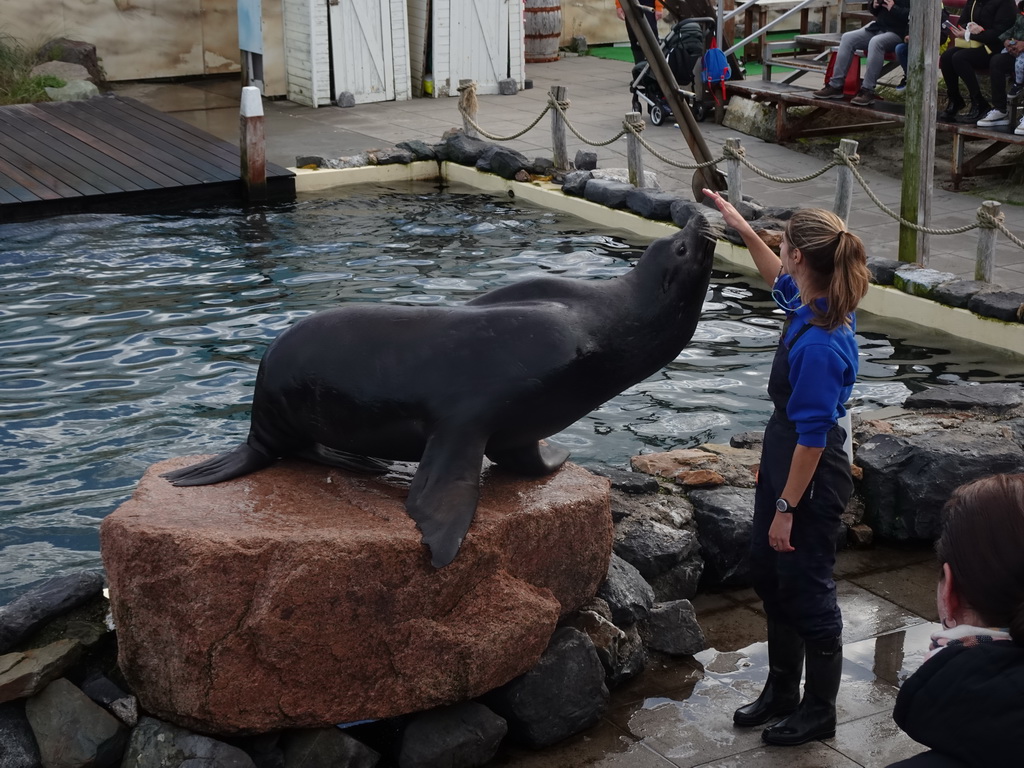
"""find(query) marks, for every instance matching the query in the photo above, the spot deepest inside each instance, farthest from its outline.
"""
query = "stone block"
(155, 744)
(62, 70)
(326, 748)
(725, 517)
(611, 194)
(1002, 305)
(958, 293)
(346, 99)
(585, 160)
(628, 596)
(45, 601)
(651, 204)
(420, 149)
(465, 735)
(76, 52)
(883, 271)
(508, 87)
(73, 731)
(751, 117)
(575, 182)
(75, 90)
(18, 747)
(26, 674)
(674, 630)
(997, 397)
(236, 602)
(920, 281)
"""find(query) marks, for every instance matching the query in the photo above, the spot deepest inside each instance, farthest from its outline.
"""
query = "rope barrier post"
(986, 240)
(734, 171)
(468, 105)
(559, 154)
(634, 152)
(253, 144)
(844, 182)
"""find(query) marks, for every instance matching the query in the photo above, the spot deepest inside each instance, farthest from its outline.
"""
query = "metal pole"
(253, 144)
(844, 182)
(634, 151)
(734, 171)
(560, 155)
(986, 244)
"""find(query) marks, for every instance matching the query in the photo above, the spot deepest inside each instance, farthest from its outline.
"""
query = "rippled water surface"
(125, 340)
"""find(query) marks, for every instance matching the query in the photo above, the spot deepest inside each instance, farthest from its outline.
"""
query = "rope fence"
(989, 217)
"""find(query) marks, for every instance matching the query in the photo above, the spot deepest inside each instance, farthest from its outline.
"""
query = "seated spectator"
(878, 38)
(653, 16)
(966, 701)
(1005, 63)
(974, 42)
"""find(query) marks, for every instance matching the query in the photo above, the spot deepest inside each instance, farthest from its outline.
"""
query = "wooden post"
(559, 154)
(734, 171)
(634, 151)
(468, 102)
(844, 182)
(919, 136)
(986, 244)
(253, 145)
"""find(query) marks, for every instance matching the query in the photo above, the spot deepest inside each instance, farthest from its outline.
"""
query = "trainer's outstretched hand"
(729, 213)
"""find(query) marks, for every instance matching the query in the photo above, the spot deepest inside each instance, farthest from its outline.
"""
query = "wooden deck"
(789, 126)
(114, 154)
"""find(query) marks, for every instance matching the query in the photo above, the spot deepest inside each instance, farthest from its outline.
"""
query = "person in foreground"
(804, 481)
(966, 701)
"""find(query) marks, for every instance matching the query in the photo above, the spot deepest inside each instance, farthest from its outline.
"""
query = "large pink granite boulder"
(301, 596)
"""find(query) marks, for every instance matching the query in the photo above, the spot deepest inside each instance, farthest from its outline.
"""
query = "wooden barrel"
(542, 21)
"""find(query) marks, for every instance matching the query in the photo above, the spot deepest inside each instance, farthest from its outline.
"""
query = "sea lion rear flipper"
(537, 459)
(444, 491)
(239, 461)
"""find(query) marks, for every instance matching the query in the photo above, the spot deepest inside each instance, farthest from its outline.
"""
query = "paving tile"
(874, 741)
(911, 587)
(733, 628)
(866, 614)
(603, 746)
(813, 755)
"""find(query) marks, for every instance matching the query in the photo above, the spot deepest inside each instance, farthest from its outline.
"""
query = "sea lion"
(446, 386)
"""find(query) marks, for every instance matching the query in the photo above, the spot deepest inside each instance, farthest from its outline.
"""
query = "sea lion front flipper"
(240, 460)
(445, 489)
(537, 459)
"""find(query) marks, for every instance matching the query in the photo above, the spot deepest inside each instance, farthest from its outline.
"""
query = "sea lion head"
(683, 261)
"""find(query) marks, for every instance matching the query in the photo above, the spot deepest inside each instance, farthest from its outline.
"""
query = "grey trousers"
(875, 42)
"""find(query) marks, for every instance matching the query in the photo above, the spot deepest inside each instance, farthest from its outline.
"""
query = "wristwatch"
(781, 505)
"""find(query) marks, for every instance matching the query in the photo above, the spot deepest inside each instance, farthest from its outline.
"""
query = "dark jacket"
(896, 20)
(968, 704)
(995, 16)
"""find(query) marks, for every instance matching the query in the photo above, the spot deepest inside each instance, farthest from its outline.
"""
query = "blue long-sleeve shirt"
(822, 369)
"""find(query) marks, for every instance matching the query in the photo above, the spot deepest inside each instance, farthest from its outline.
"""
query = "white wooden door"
(479, 42)
(362, 59)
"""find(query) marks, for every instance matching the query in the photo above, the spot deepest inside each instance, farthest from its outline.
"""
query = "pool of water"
(125, 340)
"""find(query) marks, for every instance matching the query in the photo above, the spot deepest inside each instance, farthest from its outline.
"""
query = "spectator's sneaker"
(902, 86)
(1015, 89)
(1019, 130)
(994, 118)
(828, 92)
(865, 97)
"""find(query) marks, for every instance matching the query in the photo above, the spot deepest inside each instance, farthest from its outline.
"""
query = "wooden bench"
(880, 114)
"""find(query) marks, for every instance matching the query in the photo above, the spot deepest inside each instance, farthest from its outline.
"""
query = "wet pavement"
(679, 712)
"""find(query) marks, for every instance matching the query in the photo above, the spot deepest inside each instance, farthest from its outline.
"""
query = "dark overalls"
(797, 587)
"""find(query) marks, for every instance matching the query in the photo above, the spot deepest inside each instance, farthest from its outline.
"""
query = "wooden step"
(822, 41)
(803, 63)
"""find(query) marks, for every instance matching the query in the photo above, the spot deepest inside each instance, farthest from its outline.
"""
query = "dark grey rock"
(628, 596)
(1002, 305)
(391, 156)
(75, 52)
(17, 744)
(265, 749)
(44, 601)
(958, 293)
(750, 440)
(302, 161)
(575, 182)
(626, 481)
(585, 160)
(684, 210)
(883, 271)
(611, 194)
(73, 731)
(673, 629)
(102, 690)
(1016, 427)
(155, 744)
(26, 674)
(775, 212)
(465, 735)
(673, 511)
(605, 636)
(680, 582)
(653, 548)
(966, 397)
(630, 659)
(326, 748)
(506, 162)
(459, 148)
(578, 44)
(650, 204)
(542, 166)
(907, 480)
(483, 163)
(346, 99)
(420, 149)
(508, 87)
(564, 694)
(725, 517)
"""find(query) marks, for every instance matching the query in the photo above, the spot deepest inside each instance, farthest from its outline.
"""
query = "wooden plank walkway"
(114, 154)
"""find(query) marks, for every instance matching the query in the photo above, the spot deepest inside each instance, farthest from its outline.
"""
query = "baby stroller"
(684, 48)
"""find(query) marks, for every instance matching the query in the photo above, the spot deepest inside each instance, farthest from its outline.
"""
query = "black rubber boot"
(977, 111)
(815, 718)
(781, 693)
